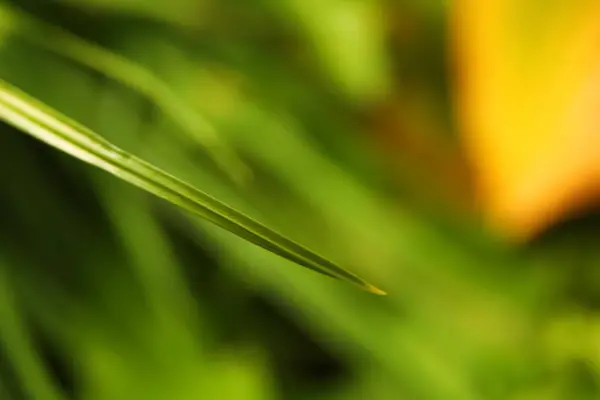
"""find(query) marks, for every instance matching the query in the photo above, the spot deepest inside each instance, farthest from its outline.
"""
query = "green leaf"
(57, 130)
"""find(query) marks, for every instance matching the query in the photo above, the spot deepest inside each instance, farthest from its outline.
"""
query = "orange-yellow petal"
(528, 99)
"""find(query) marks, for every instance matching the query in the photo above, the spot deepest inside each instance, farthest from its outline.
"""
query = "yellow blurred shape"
(528, 95)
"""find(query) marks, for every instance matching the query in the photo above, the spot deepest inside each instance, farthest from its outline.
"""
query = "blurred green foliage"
(107, 293)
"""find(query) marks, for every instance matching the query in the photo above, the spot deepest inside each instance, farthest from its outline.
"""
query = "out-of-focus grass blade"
(17, 345)
(181, 14)
(57, 130)
(131, 75)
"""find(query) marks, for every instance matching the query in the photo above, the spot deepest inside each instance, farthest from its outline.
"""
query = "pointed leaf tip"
(375, 290)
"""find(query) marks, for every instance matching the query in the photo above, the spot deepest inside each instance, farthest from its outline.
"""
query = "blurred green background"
(109, 293)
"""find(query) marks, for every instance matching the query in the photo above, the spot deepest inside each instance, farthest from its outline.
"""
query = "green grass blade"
(17, 344)
(134, 76)
(57, 130)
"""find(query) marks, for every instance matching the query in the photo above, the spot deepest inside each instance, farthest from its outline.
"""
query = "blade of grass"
(50, 126)
(132, 75)
(14, 337)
